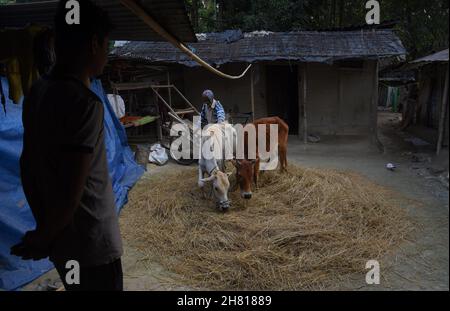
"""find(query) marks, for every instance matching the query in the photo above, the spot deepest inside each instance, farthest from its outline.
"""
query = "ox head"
(220, 187)
(244, 176)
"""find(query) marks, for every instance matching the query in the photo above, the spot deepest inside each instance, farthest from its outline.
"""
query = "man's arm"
(220, 112)
(204, 121)
(27, 164)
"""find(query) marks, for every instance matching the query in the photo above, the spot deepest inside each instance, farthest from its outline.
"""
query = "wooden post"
(340, 103)
(302, 80)
(158, 121)
(169, 89)
(252, 94)
(443, 114)
(374, 109)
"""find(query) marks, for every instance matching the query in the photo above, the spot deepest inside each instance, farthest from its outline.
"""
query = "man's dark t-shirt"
(61, 114)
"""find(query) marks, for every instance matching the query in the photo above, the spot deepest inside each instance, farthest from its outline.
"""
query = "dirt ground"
(421, 264)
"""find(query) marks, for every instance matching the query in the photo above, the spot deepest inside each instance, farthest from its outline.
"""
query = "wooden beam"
(252, 94)
(443, 115)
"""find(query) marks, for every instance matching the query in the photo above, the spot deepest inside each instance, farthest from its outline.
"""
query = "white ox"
(217, 146)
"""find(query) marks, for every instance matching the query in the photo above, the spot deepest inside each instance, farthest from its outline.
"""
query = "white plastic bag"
(158, 155)
(117, 104)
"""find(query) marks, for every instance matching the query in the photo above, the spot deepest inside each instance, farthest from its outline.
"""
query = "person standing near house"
(212, 110)
(63, 164)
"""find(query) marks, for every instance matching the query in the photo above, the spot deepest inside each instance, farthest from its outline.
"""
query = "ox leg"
(201, 183)
(282, 150)
(256, 173)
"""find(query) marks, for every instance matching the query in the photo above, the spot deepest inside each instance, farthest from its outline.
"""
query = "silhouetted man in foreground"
(63, 163)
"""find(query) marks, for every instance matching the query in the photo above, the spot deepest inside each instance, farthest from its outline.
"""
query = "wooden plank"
(184, 111)
(128, 86)
(162, 86)
(443, 115)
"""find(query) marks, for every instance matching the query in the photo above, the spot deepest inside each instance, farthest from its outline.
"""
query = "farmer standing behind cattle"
(212, 110)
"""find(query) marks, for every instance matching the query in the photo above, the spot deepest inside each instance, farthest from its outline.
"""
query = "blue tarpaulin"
(15, 215)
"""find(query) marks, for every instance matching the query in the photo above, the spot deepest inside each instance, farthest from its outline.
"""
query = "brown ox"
(247, 170)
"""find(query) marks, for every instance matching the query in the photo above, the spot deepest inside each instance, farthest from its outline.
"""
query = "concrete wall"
(339, 100)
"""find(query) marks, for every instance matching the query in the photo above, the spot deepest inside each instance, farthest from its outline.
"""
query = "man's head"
(82, 46)
(208, 96)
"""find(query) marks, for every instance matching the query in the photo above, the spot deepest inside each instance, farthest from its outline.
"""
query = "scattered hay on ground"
(301, 230)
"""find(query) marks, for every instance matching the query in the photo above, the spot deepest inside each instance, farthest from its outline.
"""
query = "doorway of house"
(282, 94)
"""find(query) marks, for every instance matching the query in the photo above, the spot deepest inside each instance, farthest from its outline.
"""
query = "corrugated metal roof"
(308, 46)
(441, 56)
(171, 14)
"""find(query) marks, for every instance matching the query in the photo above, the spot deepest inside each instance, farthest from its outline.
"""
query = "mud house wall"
(235, 95)
(339, 99)
(429, 105)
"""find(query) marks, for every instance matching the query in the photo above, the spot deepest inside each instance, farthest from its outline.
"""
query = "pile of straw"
(304, 229)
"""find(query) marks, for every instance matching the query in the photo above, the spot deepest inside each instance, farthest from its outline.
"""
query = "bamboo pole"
(145, 85)
(145, 17)
(185, 99)
(158, 121)
(164, 101)
(252, 93)
(443, 114)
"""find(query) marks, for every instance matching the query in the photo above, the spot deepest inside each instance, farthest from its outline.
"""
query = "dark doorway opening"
(282, 94)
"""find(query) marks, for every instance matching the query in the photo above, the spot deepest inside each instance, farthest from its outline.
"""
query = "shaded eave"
(302, 46)
(439, 57)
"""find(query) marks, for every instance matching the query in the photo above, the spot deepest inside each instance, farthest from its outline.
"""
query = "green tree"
(422, 25)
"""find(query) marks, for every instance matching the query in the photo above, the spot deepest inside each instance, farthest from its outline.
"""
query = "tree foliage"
(422, 25)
